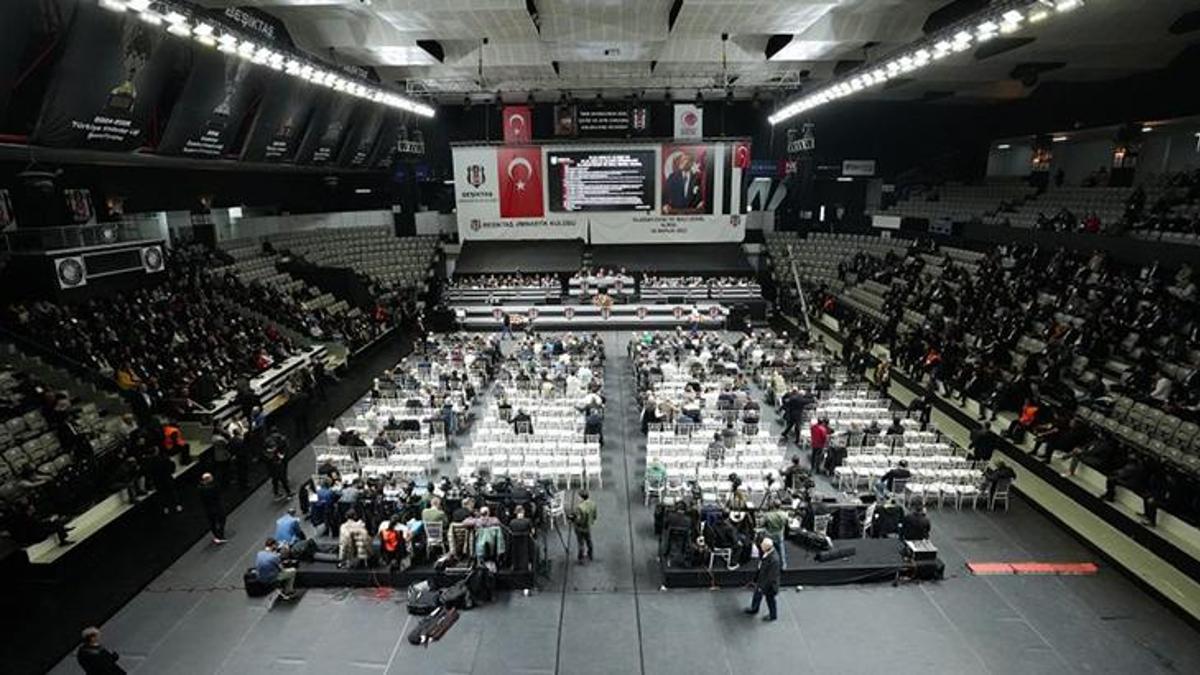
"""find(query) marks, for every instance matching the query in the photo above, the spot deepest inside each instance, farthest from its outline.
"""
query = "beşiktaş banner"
(395, 128)
(212, 108)
(282, 118)
(108, 81)
(26, 32)
(628, 194)
(361, 139)
(330, 120)
(500, 194)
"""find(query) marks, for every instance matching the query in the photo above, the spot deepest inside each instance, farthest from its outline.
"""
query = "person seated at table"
(522, 422)
(897, 427)
(915, 526)
(886, 482)
(269, 569)
(288, 530)
(872, 429)
(729, 435)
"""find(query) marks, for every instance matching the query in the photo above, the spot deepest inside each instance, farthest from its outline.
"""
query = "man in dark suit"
(915, 525)
(94, 658)
(683, 186)
(766, 581)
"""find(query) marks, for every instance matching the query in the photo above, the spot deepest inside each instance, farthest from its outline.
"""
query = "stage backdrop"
(637, 193)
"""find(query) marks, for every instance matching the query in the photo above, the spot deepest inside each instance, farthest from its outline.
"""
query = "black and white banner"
(107, 85)
(362, 137)
(330, 119)
(216, 98)
(282, 118)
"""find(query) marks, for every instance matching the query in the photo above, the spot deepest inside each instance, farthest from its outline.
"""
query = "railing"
(26, 240)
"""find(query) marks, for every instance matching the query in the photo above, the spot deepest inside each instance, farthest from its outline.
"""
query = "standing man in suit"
(766, 581)
(683, 189)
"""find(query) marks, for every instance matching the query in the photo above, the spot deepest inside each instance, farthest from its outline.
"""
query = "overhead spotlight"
(1003, 146)
(1039, 15)
(1068, 5)
(1059, 139)
(1147, 129)
(113, 5)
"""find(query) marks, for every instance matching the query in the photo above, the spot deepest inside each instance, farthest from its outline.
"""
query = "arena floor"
(611, 617)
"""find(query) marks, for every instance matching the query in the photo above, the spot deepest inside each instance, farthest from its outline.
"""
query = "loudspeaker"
(930, 570)
(836, 554)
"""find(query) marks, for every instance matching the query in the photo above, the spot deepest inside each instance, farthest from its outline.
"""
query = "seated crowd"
(179, 341)
(516, 280)
(1044, 333)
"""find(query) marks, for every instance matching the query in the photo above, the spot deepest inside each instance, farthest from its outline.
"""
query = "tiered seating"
(1106, 202)
(491, 288)
(557, 449)
(29, 443)
(961, 202)
(1151, 431)
(661, 289)
(374, 252)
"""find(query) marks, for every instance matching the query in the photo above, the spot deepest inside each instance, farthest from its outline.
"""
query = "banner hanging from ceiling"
(330, 119)
(517, 123)
(606, 194)
(107, 84)
(282, 118)
(361, 138)
(219, 93)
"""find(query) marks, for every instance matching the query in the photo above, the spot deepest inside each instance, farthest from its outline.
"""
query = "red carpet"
(992, 568)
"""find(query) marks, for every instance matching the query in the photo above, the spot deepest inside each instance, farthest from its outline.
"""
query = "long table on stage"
(874, 561)
(566, 317)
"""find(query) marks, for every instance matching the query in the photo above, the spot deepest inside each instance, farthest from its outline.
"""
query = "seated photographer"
(268, 566)
(677, 533)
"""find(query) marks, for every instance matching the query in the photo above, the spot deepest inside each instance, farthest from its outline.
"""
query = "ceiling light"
(150, 18)
(113, 5)
(1147, 129)
(1059, 139)
(1038, 15)
(1067, 5)
(1003, 146)
(1013, 16)
(175, 18)
(202, 29)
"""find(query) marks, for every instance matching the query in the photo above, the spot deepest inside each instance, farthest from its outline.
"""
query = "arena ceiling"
(448, 50)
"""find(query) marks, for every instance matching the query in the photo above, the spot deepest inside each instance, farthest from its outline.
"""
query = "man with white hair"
(94, 658)
(766, 581)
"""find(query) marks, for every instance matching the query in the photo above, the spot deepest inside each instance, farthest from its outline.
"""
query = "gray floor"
(611, 617)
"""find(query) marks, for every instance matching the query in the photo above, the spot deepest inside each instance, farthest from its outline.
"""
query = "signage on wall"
(609, 119)
(689, 121)
(804, 141)
(858, 167)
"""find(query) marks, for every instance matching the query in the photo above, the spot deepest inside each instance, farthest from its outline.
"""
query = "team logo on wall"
(533, 313)
(678, 312)
(152, 259)
(476, 224)
(689, 120)
(497, 313)
(475, 175)
(70, 272)
(641, 312)
(714, 311)
(570, 313)
(735, 220)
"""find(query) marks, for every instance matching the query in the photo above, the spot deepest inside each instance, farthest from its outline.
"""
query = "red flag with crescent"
(520, 182)
(741, 156)
(518, 124)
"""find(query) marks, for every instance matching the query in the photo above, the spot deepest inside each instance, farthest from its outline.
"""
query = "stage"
(874, 561)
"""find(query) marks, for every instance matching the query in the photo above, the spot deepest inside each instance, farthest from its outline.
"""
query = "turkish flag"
(518, 124)
(741, 156)
(520, 182)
